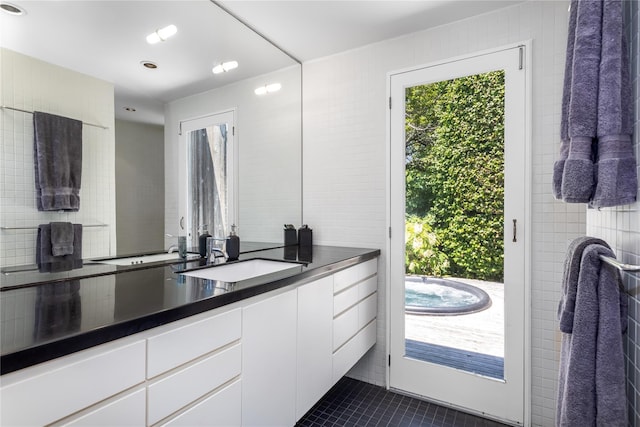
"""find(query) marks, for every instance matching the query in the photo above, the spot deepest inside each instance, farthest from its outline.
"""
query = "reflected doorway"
(208, 179)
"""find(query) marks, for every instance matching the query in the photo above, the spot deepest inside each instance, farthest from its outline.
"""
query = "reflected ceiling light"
(162, 34)
(224, 67)
(263, 90)
(12, 9)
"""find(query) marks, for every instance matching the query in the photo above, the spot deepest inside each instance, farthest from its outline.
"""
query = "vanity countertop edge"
(327, 260)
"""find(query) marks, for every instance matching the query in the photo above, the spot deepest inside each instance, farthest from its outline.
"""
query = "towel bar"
(35, 228)
(31, 112)
(619, 265)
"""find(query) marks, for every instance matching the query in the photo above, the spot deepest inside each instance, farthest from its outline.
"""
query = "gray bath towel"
(61, 238)
(617, 181)
(45, 259)
(591, 388)
(58, 161)
(566, 308)
(578, 174)
(558, 167)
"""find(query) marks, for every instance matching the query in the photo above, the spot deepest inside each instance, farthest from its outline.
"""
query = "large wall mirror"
(90, 60)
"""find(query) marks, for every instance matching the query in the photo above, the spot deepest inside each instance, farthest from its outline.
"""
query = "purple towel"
(558, 167)
(617, 181)
(578, 174)
(596, 164)
(591, 383)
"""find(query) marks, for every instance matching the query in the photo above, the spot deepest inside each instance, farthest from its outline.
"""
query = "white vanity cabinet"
(263, 361)
(191, 362)
(269, 360)
(45, 393)
(355, 307)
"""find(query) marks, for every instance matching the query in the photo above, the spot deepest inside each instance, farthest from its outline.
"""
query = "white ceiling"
(311, 29)
(106, 38)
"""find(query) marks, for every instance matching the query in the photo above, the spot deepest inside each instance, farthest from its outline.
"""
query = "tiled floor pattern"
(355, 403)
(483, 364)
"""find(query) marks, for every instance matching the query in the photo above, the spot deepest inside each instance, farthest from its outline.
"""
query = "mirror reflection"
(66, 58)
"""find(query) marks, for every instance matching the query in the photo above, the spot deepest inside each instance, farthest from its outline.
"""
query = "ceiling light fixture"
(12, 9)
(224, 67)
(270, 88)
(148, 64)
(162, 34)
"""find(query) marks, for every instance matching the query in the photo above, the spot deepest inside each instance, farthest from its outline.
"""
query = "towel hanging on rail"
(58, 162)
(593, 318)
(596, 163)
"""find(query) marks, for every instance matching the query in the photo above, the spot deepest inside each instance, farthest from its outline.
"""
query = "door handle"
(515, 230)
(182, 223)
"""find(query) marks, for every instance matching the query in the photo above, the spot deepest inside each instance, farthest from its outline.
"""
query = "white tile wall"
(344, 161)
(31, 84)
(620, 227)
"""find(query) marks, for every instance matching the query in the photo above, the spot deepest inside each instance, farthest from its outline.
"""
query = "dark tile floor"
(355, 403)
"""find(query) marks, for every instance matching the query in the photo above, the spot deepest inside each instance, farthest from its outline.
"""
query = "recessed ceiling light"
(149, 64)
(162, 34)
(272, 87)
(12, 9)
(224, 67)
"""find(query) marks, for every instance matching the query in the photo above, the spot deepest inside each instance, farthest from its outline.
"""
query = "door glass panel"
(208, 195)
(454, 223)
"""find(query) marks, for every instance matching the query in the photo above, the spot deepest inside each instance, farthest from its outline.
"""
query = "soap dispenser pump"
(202, 241)
(233, 244)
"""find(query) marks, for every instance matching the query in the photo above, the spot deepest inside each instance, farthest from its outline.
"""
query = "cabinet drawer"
(345, 299)
(345, 278)
(367, 287)
(175, 347)
(183, 387)
(353, 350)
(345, 326)
(367, 310)
(129, 410)
(63, 387)
(221, 409)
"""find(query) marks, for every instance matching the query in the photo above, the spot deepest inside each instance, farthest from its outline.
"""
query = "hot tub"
(439, 296)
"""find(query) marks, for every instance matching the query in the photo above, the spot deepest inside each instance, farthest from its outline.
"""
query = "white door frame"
(527, 61)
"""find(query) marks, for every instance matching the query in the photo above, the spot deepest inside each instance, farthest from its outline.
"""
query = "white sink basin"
(243, 270)
(143, 259)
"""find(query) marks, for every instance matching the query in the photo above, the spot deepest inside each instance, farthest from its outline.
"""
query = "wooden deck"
(472, 342)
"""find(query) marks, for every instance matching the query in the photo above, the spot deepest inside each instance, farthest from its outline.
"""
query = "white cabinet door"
(269, 361)
(315, 318)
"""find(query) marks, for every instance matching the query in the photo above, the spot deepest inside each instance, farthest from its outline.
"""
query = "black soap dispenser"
(233, 244)
(202, 242)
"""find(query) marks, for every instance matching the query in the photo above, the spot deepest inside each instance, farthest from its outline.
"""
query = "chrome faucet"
(217, 256)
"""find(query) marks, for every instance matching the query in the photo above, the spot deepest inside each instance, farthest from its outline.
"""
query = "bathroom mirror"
(106, 40)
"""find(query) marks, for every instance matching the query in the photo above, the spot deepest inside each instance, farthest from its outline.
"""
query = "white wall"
(268, 137)
(344, 161)
(31, 84)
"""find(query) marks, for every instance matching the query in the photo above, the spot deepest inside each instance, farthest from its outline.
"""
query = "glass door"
(457, 248)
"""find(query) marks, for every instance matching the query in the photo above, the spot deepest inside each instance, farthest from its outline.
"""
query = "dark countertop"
(45, 320)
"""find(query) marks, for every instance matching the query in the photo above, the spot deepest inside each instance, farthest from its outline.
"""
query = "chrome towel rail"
(630, 268)
(35, 228)
(4, 107)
